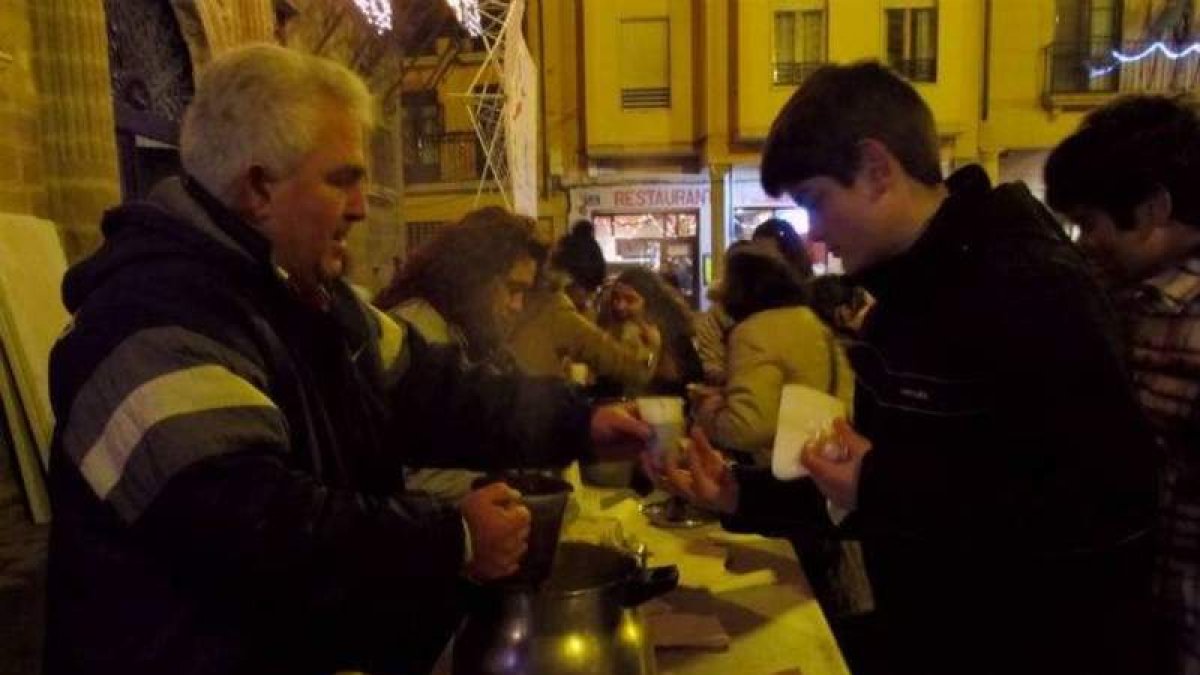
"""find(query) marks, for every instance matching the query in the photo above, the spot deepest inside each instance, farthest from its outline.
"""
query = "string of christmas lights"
(378, 13)
(467, 13)
(1161, 47)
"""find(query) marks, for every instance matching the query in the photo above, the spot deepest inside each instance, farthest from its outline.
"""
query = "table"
(754, 585)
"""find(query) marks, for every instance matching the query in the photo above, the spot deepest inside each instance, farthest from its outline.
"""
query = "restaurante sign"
(664, 197)
(641, 198)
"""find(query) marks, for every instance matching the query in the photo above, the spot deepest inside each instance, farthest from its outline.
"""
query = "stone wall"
(21, 167)
(58, 155)
(22, 173)
(70, 59)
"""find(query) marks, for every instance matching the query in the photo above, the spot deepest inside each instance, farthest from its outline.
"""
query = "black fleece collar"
(251, 240)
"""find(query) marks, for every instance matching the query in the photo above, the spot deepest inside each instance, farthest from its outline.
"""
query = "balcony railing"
(793, 72)
(452, 157)
(916, 70)
(1093, 67)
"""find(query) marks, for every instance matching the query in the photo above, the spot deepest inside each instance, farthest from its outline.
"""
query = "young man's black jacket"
(1012, 474)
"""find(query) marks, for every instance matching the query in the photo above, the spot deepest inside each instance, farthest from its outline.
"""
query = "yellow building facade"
(445, 173)
(646, 106)
(652, 104)
(624, 150)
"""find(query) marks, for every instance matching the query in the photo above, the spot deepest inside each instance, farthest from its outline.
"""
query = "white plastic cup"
(665, 415)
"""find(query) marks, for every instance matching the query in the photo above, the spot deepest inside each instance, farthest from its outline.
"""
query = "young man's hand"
(836, 474)
(707, 479)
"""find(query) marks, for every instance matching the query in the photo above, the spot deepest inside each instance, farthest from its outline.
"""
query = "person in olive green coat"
(554, 331)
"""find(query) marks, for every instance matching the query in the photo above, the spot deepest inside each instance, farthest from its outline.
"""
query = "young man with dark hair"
(1129, 178)
(998, 473)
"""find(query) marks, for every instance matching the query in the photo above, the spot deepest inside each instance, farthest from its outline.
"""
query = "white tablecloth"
(752, 584)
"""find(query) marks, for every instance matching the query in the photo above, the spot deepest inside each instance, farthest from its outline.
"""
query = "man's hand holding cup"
(498, 524)
(618, 433)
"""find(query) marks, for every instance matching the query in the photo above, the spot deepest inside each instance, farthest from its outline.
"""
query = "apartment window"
(799, 45)
(422, 132)
(1088, 21)
(1084, 36)
(645, 63)
(1102, 25)
(912, 42)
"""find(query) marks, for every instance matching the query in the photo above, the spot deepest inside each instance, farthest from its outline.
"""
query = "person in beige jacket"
(776, 340)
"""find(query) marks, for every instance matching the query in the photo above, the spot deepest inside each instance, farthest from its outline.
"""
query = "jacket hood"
(168, 227)
(973, 218)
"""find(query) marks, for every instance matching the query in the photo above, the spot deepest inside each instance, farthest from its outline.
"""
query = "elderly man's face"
(310, 213)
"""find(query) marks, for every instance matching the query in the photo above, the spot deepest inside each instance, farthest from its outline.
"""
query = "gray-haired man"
(227, 492)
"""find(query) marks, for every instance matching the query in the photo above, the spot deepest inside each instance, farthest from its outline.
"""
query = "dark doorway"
(152, 84)
(667, 242)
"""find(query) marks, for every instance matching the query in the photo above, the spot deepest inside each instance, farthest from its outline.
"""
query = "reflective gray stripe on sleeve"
(178, 394)
(177, 443)
(140, 358)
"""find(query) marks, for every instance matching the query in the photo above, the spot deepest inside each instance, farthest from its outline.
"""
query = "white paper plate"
(803, 413)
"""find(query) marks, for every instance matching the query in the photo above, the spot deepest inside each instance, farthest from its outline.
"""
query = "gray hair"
(259, 105)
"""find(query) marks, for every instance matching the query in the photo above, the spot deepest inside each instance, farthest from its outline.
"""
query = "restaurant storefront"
(751, 206)
(663, 226)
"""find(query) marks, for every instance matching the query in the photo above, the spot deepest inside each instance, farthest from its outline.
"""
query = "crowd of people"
(257, 470)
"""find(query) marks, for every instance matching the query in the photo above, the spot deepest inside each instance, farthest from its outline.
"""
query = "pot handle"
(647, 583)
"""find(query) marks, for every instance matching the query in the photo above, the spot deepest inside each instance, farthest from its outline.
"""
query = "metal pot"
(583, 619)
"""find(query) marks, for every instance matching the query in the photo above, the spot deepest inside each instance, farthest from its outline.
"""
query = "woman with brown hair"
(462, 291)
(639, 292)
(783, 238)
(467, 286)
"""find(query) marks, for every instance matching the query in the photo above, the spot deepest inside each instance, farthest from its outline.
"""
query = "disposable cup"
(664, 414)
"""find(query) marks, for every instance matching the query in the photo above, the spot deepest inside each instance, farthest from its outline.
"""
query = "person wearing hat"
(580, 264)
(554, 331)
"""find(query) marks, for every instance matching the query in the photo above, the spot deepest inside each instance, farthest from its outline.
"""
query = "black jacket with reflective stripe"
(261, 527)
